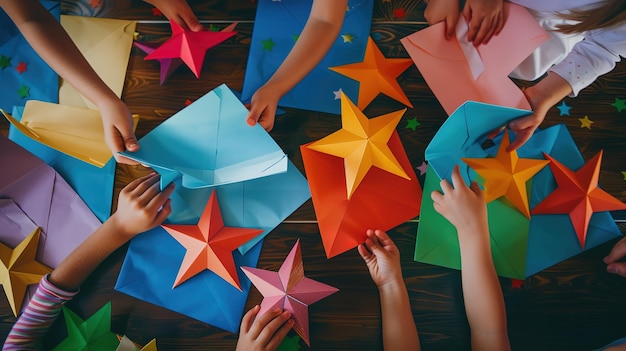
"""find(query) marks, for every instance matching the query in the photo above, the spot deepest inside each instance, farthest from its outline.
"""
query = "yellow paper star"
(362, 143)
(19, 269)
(506, 175)
(347, 38)
(585, 122)
(376, 74)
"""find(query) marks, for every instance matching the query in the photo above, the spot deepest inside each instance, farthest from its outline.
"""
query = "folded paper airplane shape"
(93, 333)
(447, 70)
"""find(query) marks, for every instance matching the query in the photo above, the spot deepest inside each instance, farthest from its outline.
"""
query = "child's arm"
(179, 12)
(383, 261)
(264, 333)
(53, 44)
(318, 35)
(465, 208)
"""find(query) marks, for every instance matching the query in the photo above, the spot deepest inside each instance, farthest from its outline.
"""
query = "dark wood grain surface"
(574, 305)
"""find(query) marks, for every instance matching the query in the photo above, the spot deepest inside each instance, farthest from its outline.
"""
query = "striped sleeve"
(42, 310)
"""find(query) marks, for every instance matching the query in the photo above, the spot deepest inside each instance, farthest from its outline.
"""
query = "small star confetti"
(95, 3)
(564, 109)
(23, 91)
(585, 122)
(423, 168)
(338, 94)
(399, 13)
(619, 104)
(5, 62)
(516, 283)
(268, 44)
(412, 123)
(295, 37)
(624, 174)
(156, 12)
(188, 102)
(21, 67)
(347, 38)
(213, 28)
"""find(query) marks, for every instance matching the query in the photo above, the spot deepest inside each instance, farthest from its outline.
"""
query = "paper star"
(423, 168)
(191, 47)
(578, 195)
(19, 269)
(21, 67)
(23, 91)
(156, 12)
(624, 174)
(619, 104)
(347, 38)
(376, 74)
(585, 122)
(517, 283)
(128, 345)
(412, 123)
(94, 333)
(289, 289)
(506, 175)
(564, 109)
(337, 93)
(210, 245)
(268, 44)
(399, 13)
(167, 65)
(362, 143)
(5, 62)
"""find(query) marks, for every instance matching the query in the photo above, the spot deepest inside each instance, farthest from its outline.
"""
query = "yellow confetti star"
(624, 174)
(506, 175)
(585, 122)
(347, 38)
(362, 143)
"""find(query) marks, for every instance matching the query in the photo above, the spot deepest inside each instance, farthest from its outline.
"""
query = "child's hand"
(382, 258)
(263, 107)
(612, 260)
(141, 206)
(463, 206)
(443, 10)
(118, 129)
(266, 332)
(179, 12)
(485, 19)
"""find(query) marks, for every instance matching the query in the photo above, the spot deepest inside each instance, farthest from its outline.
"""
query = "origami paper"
(443, 61)
(290, 290)
(80, 175)
(167, 65)
(94, 333)
(42, 81)
(127, 345)
(462, 134)
(382, 200)
(376, 74)
(506, 175)
(578, 195)
(151, 266)
(75, 131)
(19, 269)
(362, 143)
(204, 144)
(282, 22)
(106, 44)
(190, 46)
(210, 244)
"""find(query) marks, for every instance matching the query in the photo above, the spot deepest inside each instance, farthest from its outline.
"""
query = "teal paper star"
(564, 109)
(23, 91)
(619, 104)
(412, 123)
(91, 334)
(268, 44)
(5, 62)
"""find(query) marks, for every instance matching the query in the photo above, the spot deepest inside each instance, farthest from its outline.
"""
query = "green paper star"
(412, 123)
(619, 104)
(23, 91)
(289, 344)
(624, 174)
(5, 62)
(91, 334)
(268, 44)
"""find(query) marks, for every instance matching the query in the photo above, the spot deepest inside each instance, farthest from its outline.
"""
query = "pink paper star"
(189, 46)
(21, 67)
(210, 245)
(290, 290)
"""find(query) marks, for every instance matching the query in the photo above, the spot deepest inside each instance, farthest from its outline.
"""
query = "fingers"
(457, 180)
(521, 138)
(482, 31)
(451, 25)
(268, 331)
(437, 197)
(267, 118)
(130, 187)
(476, 189)
(261, 321)
(248, 318)
(253, 116)
(280, 335)
(365, 254)
(495, 133)
(125, 160)
(446, 188)
(618, 268)
(191, 20)
(161, 198)
(617, 252)
(130, 141)
(499, 24)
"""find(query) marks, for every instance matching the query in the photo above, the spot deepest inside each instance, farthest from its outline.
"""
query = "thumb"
(130, 141)
(192, 22)
(254, 114)
(617, 252)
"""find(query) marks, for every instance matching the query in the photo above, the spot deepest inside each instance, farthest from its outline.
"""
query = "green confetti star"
(295, 37)
(619, 104)
(5, 62)
(23, 91)
(213, 28)
(412, 123)
(289, 344)
(268, 44)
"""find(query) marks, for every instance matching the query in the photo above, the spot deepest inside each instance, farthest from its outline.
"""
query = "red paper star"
(21, 67)
(189, 46)
(210, 245)
(578, 194)
(399, 13)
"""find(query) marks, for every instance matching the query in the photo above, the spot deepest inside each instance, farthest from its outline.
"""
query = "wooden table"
(574, 305)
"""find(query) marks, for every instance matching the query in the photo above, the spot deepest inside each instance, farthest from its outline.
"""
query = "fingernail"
(290, 322)
(286, 314)
(612, 269)
(605, 259)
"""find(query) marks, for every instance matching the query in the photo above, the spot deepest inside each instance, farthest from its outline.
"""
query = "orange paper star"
(362, 143)
(506, 175)
(210, 245)
(19, 269)
(578, 195)
(376, 74)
